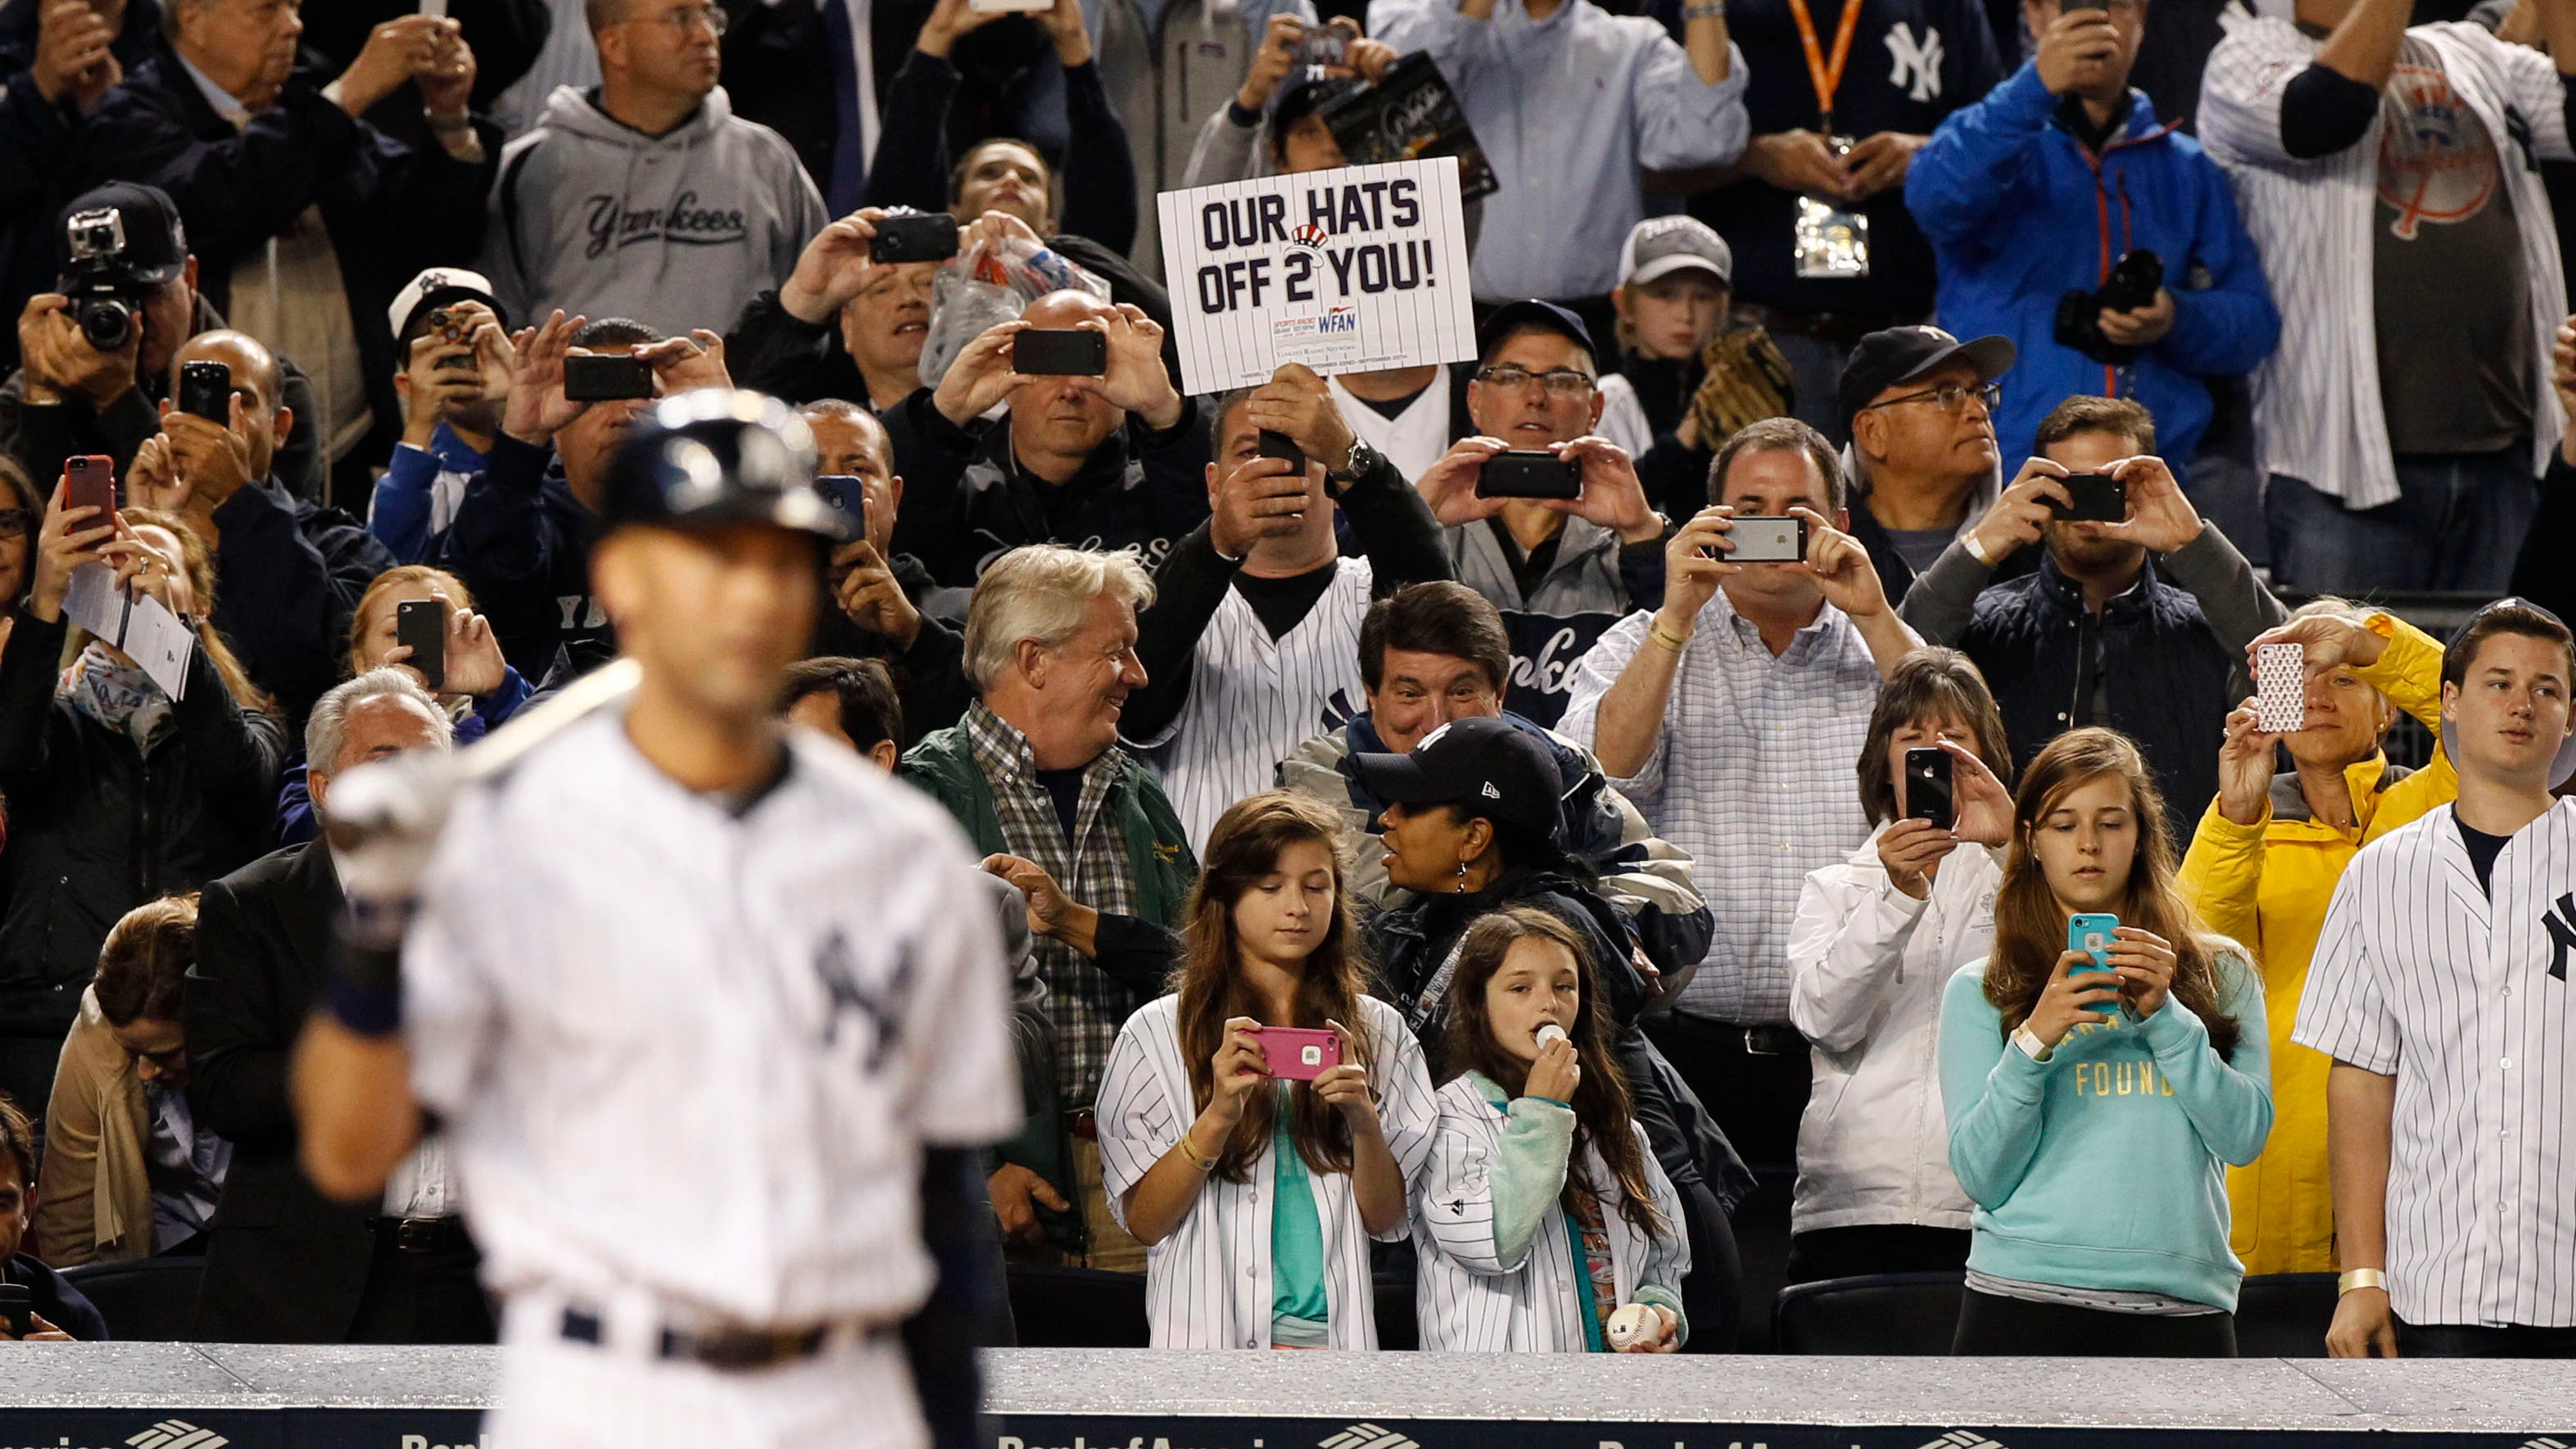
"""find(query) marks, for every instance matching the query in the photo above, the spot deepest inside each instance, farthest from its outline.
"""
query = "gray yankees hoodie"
(675, 231)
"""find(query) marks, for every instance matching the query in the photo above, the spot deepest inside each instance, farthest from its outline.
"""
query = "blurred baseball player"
(688, 992)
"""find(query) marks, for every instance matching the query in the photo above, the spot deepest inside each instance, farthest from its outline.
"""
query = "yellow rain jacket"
(2267, 885)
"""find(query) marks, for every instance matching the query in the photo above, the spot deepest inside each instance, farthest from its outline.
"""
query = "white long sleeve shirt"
(1867, 964)
(2317, 415)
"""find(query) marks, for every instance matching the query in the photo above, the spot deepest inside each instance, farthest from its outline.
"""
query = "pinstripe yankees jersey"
(2465, 1000)
(1208, 1284)
(1466, 1299)
(1254, 699)
(689, 1055)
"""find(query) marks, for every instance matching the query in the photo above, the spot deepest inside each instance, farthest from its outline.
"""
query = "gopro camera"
(101, 284)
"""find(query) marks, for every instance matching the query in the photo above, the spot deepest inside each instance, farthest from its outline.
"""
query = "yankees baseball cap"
(436, 287)
(1901, 354)
(716, 456)
(156, 244)
(2563, 768)
(1490, 766)
(1513, 318)
(1662, 245)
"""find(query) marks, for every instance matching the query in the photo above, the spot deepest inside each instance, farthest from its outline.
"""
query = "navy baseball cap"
(1513, 318)
(156, 243)
(1901, 354)
(717, 456)
(1489, 766)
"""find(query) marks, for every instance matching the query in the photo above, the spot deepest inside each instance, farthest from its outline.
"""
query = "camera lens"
(107, 322)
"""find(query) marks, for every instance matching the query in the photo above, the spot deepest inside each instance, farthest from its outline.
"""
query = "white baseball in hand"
(1634, 1323)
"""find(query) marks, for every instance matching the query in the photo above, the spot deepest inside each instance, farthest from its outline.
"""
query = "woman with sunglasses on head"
(2099, 1079)
(1258, 1126)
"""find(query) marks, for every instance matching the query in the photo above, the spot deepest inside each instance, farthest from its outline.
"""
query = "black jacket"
(967, 502)
(37, 155)
(97, 827)
(521, 542)
(284, 1264)
(280, 600)
(1097, 180)
(55, 1300)
(1413, 941)
(392, 209)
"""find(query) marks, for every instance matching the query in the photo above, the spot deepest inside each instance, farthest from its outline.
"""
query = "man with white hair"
(1036, 776)
(283, 1263)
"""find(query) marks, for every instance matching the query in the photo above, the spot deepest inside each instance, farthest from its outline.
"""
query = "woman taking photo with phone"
(2095, 1098)
(1875, 941)
(1259, 1126)
(1543, 1213)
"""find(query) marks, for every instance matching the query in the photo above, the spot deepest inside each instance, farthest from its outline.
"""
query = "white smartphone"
(2280, 688)
(435, 9)
(1005, 7)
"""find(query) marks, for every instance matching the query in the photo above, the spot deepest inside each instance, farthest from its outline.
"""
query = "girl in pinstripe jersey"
(1257, 1197)
(1542, 1210)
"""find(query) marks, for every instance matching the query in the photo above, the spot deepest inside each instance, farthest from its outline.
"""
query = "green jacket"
(1158, 860)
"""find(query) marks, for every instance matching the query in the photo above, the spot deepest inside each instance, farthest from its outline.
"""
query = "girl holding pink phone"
(1257, 1171)
(1545, 1223)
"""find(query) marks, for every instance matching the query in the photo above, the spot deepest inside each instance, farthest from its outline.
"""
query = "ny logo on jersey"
(2562, 934)
(1921, 59)
(883, 1007)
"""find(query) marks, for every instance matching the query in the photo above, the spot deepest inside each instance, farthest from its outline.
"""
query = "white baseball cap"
(437, 285)
(1662, 245)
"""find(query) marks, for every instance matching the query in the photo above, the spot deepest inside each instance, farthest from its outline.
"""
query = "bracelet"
(1197, 1159)
(1666, 637)
(447, 127)
(1976, 548)
(1707, 10)
(2361, 1278)
(2030, 1044)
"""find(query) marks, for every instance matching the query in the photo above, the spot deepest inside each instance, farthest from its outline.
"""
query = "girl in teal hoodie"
(2093, 1114)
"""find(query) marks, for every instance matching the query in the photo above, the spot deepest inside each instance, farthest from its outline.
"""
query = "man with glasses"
(1562, 569)
(1921, 405)
(648, 198)
(2009, 190)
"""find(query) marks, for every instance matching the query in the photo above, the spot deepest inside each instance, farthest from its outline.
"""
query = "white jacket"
(1466, 1299)
(1867, 965)
(2317, 415)
(1208, 1284)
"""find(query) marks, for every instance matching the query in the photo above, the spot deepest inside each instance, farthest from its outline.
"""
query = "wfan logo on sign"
(173, 1434)
(1368, 1436)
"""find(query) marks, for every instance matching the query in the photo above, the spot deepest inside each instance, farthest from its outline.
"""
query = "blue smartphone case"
(2091, 934)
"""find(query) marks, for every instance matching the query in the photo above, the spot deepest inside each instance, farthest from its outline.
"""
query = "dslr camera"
(102, 282)
(2133, 283)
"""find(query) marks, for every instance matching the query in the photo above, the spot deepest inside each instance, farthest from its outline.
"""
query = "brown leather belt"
(733, 1350)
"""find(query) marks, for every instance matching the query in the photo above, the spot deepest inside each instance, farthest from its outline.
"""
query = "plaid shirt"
(1752, 773)
(1085, 1005)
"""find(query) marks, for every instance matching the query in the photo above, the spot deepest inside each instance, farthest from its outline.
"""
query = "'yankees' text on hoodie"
(675, 231)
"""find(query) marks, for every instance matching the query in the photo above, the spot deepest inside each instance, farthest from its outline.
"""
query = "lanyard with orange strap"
(1827, 76)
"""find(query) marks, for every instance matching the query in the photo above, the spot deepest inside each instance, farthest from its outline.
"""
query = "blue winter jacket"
(2020, 213)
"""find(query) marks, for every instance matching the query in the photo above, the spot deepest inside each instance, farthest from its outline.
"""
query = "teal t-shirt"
(1296, 1230)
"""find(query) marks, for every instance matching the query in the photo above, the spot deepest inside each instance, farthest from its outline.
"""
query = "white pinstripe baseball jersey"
(1466, 1299)
(1208, 1284)
(1254, 699)
(2465, 1000)
(2317, 411)
(689, 1055)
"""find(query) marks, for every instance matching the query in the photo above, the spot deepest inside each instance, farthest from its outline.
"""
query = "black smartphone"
(1530, 473)
(1060, 352)
(89, 481)
(930, 238)
(17, 1308)
(847, 492)
(206, 391)
(421, 624)
(606, 377)
(1280, 445)
(1764, 539)
(1927, 787)
(2093, 498)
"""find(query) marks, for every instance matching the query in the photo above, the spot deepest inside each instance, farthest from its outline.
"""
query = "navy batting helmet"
(717, 456)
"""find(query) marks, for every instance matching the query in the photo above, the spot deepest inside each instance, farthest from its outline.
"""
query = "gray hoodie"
(675, 231)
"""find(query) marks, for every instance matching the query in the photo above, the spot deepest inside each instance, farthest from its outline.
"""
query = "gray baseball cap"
(1662, 245)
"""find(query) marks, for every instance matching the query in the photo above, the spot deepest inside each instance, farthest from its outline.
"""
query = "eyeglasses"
(1949, 398)
(16, 523)
(688, 18)
(1562, 381)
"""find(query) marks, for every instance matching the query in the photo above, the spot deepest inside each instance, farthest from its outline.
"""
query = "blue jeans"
(2457, 523)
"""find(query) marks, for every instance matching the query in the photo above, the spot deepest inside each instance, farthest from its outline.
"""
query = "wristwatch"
(1362, 458)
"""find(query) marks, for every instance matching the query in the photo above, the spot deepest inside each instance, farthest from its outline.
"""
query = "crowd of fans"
(1601, 858)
